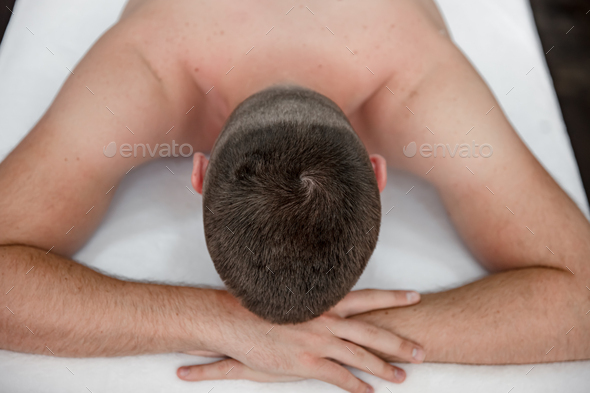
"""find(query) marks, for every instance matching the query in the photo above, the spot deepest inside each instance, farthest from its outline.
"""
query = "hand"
(317, 349)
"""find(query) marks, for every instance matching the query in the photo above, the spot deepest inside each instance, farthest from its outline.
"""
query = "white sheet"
(154, 228)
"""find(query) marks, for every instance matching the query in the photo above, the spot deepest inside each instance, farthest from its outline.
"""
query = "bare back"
(346, 51)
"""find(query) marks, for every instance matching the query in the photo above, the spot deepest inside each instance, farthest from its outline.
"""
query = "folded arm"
(518, 316)
(55, 187)
(57, 307)
(511, 214)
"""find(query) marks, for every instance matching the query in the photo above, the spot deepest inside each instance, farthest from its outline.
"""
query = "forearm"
(74, 311)
(519, 316)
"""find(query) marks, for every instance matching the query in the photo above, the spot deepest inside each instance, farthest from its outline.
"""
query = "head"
(291, 204)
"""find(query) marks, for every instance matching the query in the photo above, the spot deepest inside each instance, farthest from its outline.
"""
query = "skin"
(155, 69)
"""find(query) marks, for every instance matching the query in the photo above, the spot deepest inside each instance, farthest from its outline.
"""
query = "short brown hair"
(291, 204)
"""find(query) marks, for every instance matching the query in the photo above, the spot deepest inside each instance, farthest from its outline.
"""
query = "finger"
(358, 302)
(330, 372)
(228, 369)
(370, 336)
(352, 355)
(207, 354)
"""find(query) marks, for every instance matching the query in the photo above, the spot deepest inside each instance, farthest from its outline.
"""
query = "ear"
(200, 163)
(380, 168)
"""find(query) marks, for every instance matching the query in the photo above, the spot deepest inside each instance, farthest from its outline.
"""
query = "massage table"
(153, 230)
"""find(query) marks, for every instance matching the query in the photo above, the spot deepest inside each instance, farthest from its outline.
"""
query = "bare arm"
(55, 187)
(518, 316)
(62, 308)
(509, 211)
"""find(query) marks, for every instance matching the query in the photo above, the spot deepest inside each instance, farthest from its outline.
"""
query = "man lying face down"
(291, 204)
(290, 199)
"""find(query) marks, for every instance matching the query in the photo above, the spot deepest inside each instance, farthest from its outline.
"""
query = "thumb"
(365, 300)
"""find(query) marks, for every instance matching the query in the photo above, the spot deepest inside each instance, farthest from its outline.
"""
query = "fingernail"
(184, 371)
(370, 389)
(418, 354)
(412, 297)
(400, 374)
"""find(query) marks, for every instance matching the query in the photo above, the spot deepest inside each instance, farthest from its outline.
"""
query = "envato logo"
(465, 150)
(165, 150)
